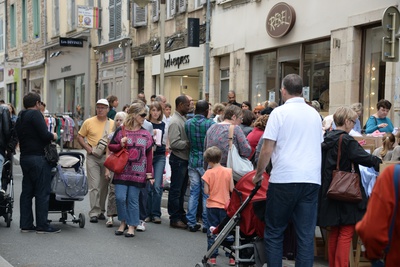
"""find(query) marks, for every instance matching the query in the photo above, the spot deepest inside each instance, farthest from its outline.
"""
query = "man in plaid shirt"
(196, 129)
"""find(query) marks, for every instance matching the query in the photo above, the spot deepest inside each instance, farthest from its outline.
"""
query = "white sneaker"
(141, 227)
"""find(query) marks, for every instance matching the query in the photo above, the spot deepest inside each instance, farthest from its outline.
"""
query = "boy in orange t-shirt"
(218, 183)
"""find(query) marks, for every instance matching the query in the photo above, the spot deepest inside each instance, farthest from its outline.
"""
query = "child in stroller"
(245, 213)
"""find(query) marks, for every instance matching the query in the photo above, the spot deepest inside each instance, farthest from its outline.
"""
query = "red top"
(253, 137)
(373, 228)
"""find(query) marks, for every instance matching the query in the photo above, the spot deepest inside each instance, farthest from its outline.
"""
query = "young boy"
(218, 182)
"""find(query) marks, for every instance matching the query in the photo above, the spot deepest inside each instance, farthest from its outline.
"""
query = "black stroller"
(7, 184)
(69, 185)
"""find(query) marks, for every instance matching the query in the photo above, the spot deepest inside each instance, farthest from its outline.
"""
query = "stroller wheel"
(7, 218)
(81, 220)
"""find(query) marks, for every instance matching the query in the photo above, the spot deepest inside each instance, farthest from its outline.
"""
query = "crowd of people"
(293, 142)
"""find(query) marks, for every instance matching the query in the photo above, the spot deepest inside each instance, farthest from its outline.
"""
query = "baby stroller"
(245, 214)
(68, 185)
(7, 184)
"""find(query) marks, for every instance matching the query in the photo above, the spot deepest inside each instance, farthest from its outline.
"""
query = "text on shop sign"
(280, 20)
(176, 61)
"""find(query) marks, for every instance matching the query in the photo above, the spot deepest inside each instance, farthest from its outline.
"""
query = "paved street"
(96, 245)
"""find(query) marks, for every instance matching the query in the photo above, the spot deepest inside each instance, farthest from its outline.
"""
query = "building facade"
(336, 48)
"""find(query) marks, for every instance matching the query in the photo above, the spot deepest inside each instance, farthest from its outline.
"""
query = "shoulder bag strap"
(106, 127)
(230, 136)
(339, 154)
(396, 195)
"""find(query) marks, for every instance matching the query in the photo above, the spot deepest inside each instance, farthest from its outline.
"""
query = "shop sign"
(280, 20)
(176, 61)
(74, 42)
(88, 17)
(66, 68)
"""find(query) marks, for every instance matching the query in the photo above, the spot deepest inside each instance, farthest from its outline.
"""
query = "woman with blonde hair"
(357, 107)
(385, 151)
(138, 170)
(341, 216)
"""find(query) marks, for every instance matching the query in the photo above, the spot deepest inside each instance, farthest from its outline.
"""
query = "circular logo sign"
(280, 20)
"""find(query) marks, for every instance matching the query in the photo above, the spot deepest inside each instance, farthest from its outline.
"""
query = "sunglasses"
(143, 115)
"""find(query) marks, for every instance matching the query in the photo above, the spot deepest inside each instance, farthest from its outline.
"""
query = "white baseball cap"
(102, 102)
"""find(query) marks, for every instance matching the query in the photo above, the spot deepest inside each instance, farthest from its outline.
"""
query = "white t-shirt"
(296, 128)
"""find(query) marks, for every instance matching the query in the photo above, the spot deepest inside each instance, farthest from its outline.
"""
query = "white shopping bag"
(167, 174)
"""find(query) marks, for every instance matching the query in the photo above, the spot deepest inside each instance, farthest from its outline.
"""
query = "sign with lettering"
(280, 20)
(71, 42)
(88, 17)
(176, 61)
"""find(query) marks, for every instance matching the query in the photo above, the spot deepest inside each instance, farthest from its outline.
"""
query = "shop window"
(263, 78)
(140, 73)
(224, 80)
(316, 66)
(373, 72)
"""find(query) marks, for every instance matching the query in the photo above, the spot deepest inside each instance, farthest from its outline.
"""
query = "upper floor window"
(56, 17)
(156, 10)
(1, 34)
(36, 18)
(72, 15)
(171, 8)
(181, 5)
(139, 15)
(115, 11)
(13, 38)
(24, 23)
(199, 3)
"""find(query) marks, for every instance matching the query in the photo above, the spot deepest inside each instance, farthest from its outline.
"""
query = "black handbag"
(51, 154)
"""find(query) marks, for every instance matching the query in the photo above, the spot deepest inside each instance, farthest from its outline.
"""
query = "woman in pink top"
(138, 170)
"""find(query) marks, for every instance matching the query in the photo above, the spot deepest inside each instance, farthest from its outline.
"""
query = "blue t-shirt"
(373, 122)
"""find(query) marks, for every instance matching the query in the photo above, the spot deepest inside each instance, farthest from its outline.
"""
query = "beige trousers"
(97, 184)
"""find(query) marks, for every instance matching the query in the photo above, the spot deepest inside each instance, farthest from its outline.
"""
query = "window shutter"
(118, 18)
(182, 6)
(172, 7)
(56, 17)
(111, 12)
(156, 10)
(139, 15)
(1, 35)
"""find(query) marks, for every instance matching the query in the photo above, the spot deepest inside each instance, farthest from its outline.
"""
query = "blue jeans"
(296, 201)
(36, 183)
(196, 187)
(155, 191)
(215, 217)
(127, 198)
(179, 181)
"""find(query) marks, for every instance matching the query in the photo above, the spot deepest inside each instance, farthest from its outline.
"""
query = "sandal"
(110, 222)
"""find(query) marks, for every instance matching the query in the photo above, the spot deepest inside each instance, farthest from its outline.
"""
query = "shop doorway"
(287, 67)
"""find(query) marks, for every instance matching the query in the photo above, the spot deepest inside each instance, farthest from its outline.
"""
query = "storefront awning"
(35, 64)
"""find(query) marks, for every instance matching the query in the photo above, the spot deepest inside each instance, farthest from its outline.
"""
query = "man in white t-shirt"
(292, 141)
